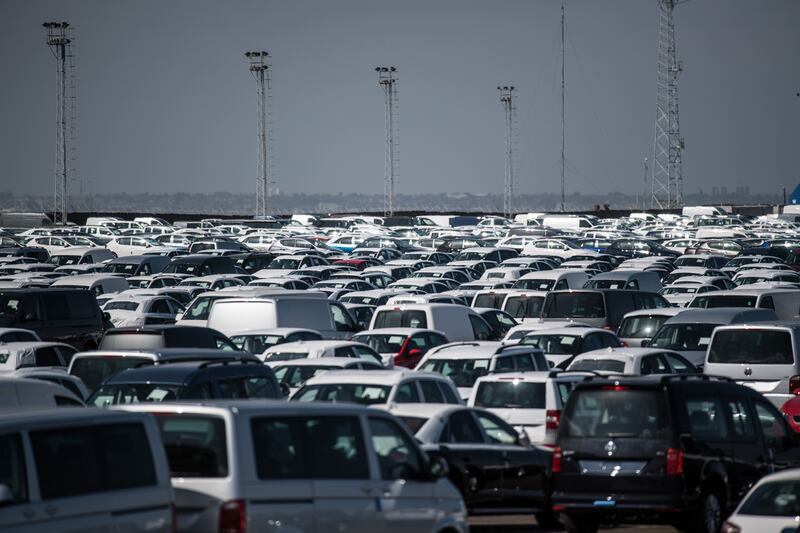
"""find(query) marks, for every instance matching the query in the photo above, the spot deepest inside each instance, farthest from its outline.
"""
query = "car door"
(748, 454)
(524, 467)
(399, 488)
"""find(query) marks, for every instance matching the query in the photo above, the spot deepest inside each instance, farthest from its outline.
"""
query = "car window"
(772, 426)
(504, 364)
(654, 364)
(591, 342)
(397, 455)
(160, 306)
(282, 450)
(12, 468)
(247, 387)
(561, 285)
(407, 393)
(343, 351)
(524, 362)
(461, 428)
(741, 422)
(706, 419)
(431, 391)
(48, 357)
(480, 329)
(679, 366)
(195, 444)
(498, 431)
(55, 305)
(101, 458)
(447, 393)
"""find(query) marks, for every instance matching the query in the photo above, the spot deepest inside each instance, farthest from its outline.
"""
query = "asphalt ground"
(527, 523)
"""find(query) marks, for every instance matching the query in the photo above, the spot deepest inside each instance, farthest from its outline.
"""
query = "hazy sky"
(165, 102)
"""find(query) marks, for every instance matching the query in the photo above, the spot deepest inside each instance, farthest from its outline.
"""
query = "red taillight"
(551, 419)
(615, 387)
(794, 385)
(730, 527)
(674, 462)
(624, 344)
(555, 465)
(233, 517)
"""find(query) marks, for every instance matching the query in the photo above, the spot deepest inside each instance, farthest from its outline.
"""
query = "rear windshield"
(511, 394)
(553, 344)
(683, 337)
(753, 346)
(495, 301)
(615, 412)
(95, 370)
(295, 376)
(535, 284)
(344, 393)
(709, 302)
(413, 422)
(607, 365)
(256, 343)
(384, 343)
(640, 327)
(135, 393)
(524, 306)
(779, 498)
(121, 306)
(401, 319)
(463, 372)
(195, 445)
(121, 268)
(575, 305)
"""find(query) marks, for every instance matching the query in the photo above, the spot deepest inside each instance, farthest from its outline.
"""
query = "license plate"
(605, 503)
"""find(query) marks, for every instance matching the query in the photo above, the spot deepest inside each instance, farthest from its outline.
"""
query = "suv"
(71, 316)
(193, 380)
(681, 450)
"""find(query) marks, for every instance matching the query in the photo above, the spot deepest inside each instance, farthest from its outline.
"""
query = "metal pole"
(563, 92)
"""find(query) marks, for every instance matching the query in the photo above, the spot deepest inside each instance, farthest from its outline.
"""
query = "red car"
(792, 411)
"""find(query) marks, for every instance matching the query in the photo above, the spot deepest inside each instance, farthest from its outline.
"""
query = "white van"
(626, 279)
(567, 222)
(97, 283)
(254, 464)
(80, 255)
(700, 210)
(23, 393)
(785, 302)
(552, 280)
(457, 322)
(79, 470)
(236, 315)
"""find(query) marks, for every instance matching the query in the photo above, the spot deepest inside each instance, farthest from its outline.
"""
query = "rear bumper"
(659, 507)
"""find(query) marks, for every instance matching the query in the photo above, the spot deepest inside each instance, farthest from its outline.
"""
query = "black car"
(496, 470)
(201, 265)
(252, 262)
(681, 450)
(639, 248)
(155, 337)
(197, 380)
(34, 252)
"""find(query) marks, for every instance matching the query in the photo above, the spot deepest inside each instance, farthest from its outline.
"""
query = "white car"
(561, 345)
(315, 349)
(633, 361)
(123, 246)
(773, 504)
(142, 310)
(14, 355)
(296, 372)
(278, 466)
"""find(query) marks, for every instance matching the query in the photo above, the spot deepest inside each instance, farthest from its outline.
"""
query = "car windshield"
(368, 300)
(64, 260)
(383, 343)
(615, 412)
(256, 343)
(121, 268)
(513, 394)
(752, 346)
(195, 444)
(524, 306)
(683, 337)
(553, 344)
(470, 256)
(596, 365)
(712, 301)
(681, 289)
(183, 268)
(9, 305)
(690, 262)
(400, 319)
(535, 284)
(295, 376)
(493, 300)
(777, 498)
(121, 306)
(284, 264)
(120, 394)
(574, 305)
(640, 327)
(344, 393)
(463, 372)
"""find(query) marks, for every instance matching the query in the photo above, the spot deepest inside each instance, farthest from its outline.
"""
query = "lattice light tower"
(387, 80)
(260, 69)
(667, 179)
(59, 39)
(510, 113)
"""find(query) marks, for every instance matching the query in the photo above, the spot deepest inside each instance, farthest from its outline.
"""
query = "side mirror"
(415, 352)
(645, 342)
(438, 468)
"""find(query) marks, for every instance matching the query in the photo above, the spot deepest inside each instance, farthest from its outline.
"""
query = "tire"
(708, 516)
(550, 520)
(581, 524)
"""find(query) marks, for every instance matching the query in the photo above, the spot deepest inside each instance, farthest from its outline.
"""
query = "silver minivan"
(761, 356)
(268, 466)
(78, 470)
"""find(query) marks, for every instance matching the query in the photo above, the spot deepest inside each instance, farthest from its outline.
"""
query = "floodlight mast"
(387, 80)
(509, 112)
(260, 68)
(667, 178)
(59, 40)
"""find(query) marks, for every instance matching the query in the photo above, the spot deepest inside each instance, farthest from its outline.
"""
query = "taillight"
(555, 465)
(794, 384)
(551, 419)
(674, 462)
(233, 517)
(730, 527)
(624, 344)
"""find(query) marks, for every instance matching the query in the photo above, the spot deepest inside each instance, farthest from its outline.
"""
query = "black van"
(201, 265)
(64, 315)
(602, 308)
(137, 265)
(681, 450)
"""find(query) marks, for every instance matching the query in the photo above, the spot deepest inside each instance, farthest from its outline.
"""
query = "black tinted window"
(82, 305)
(462, 429)
(753, 346)
(510, 394)
(55, 305)
(401, 319)
(431, 391)
(195, 445)
(615, 413)
(706, 419)
(282, 448)
(576, 304)
(81, 460)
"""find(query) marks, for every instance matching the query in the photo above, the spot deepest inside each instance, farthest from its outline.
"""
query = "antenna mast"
(510, 111)
(260, 68)
(59, 39)
(387, 81)
(667, 180)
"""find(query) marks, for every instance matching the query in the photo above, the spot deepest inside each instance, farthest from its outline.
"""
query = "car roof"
(531, 377)
(660, 311)
(715, 315)
(274, 331)
(395, 331)
(575, 331)
(19, 419)
(176, 372)
(425, 410)
(476, 350)
(251, 407)
(372, 377)
(337, 362)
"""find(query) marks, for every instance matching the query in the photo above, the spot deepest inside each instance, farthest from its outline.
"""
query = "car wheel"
(708, 517)
(550, 520)
(581, 524)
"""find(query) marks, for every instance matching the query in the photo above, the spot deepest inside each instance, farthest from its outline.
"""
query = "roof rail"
(703, 377)
(225, 361)
(518, 346)
(454, 344)
(558, 373)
